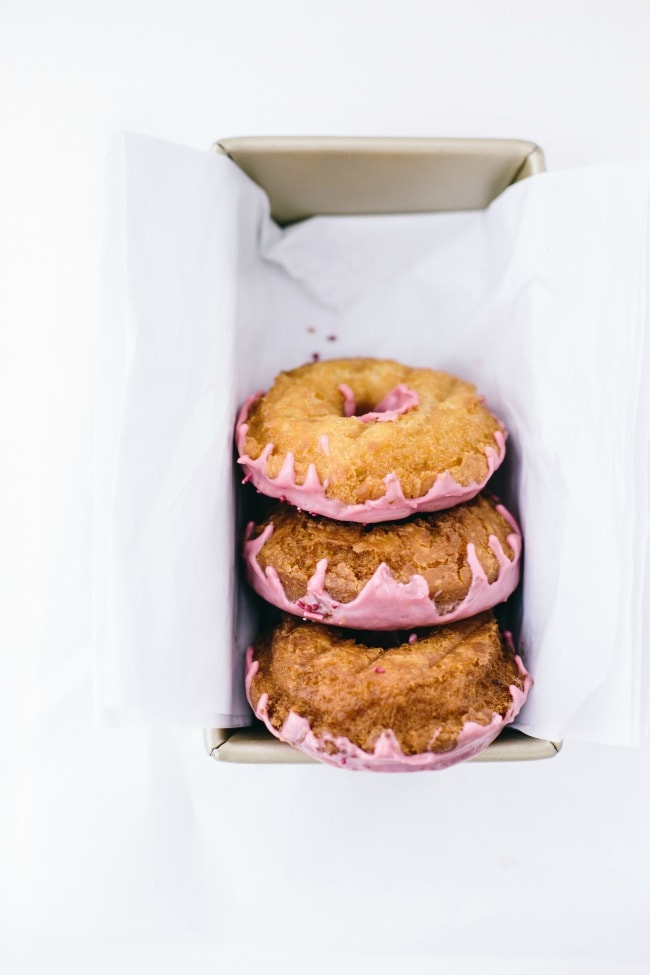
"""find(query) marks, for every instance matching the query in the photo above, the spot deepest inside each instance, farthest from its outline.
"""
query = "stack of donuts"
(385, 557)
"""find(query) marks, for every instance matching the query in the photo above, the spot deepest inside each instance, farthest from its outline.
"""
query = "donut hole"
(369, 405)
(363, 406)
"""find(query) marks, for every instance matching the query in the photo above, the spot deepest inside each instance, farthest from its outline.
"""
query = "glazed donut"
(353, 701)
(424, 571)
(368, 440)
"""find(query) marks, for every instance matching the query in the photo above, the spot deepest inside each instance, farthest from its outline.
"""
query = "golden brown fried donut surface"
(422, 571)
(393, 704)
(369, 439)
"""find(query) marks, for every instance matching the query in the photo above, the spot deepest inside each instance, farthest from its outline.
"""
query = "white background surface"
(127, 851)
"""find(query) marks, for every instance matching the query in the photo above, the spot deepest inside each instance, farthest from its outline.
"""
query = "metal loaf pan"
(306, 176)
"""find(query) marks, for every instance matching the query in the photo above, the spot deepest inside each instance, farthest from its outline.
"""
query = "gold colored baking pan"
(254, 746)
(305, 176)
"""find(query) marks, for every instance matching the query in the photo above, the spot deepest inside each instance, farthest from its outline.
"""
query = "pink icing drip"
(384, 603)
(349, 403)
(311, 495)
(394, 404)
(387, 755)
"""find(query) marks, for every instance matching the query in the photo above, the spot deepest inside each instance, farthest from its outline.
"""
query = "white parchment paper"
(540, 300)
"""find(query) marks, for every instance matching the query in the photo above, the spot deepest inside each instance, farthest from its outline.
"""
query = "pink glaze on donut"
(387, 755)
(311, 494)
(384, 603)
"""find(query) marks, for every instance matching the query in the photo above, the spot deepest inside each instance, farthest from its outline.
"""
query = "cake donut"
(356, 701)
(368, 440)
(424, 571)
